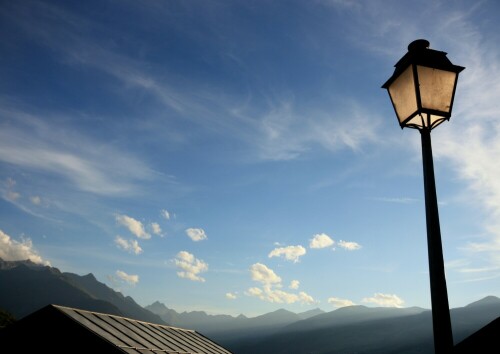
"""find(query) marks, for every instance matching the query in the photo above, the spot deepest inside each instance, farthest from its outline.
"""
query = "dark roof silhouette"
(484, 341)
(56, 329)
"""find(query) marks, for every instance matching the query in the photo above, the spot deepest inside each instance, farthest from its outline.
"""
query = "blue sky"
(240, 157)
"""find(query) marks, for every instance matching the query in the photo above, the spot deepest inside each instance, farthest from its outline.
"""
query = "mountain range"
(27, 287)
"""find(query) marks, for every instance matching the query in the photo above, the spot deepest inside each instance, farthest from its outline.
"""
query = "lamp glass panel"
(434, 118)
(436, 88)
(402, 92)
(416, 121)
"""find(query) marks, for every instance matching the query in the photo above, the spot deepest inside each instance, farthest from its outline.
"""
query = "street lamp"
(422, 89)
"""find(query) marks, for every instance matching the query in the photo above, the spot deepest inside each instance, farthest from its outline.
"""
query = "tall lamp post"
(422, 89)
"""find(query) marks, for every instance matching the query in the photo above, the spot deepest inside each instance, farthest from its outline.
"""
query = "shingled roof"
(59, 329)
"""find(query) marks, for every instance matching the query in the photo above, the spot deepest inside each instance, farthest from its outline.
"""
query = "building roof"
(485, 341)
(58, 326)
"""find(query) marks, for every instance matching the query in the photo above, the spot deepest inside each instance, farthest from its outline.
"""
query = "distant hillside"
(224, 328)
(125, 304)
(27, 287)
(359, 329)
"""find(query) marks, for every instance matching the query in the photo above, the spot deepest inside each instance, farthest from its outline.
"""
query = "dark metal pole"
(443, 337)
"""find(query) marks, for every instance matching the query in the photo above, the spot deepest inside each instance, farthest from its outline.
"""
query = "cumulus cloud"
(350, 246)
(385, 300)
(190, 267)
(165, 214)
(337, 302)
(261, 273)
(196, 234)
(231, 296)
(128, 278)
(134, 226)
(290, 253)
(321, 241)
(12, 250)
(271, 287)
(294, 284)
(156, 229)
(131, 246)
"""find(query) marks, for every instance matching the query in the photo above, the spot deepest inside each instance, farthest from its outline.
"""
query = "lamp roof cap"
(418, 44)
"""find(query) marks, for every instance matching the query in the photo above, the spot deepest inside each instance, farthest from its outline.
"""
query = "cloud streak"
(89, 165)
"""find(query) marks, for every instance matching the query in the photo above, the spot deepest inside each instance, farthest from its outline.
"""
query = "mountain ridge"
(361, 329)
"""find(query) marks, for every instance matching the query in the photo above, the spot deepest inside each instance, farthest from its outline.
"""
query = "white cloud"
(350, 246)
(12, 250)
(131, 246)
(321, 241)
(385, 300)
(294, 284)
(269, 294)
(36, 200)
(190, 267)
(165, 214)
(129, 278)
(271, 284)
(290, 253)
(231, 296)
(134, 226)
(156, 229)
(261, 273)
(196, 234)
(336, 302)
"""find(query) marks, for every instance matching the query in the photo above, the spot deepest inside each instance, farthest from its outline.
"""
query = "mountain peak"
(89, 276)
(488, 300)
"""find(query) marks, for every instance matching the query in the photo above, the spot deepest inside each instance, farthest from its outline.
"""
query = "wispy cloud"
(398, 200)
(131, 246)
(350, 246)
(165, 214)
(156, 229)
(89, 165)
